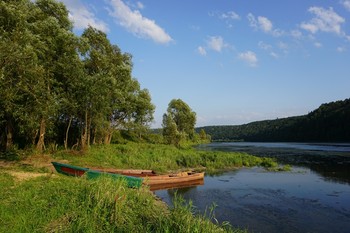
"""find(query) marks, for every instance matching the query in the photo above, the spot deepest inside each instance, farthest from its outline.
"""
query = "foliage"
(329, 123)
(59, 88)
(65, 204)
(178, 122)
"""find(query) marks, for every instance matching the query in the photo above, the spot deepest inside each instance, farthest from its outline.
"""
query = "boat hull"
(135, 178)
(70, 170)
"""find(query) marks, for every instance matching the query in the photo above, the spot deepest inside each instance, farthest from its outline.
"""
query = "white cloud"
(83, 17)
(249, 57)
(325, 20)
(263, 24)
(252, 21)
(268, 48)
(346, 4)
(216, 43)
(137, 24)
(201, 51)
(274, 55)
(140, 5)
(264, 46)
(341, 49)
(230, 15)
(297, 34)
(318, 45)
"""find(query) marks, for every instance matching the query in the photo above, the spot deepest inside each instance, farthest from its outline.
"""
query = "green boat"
(71, 170)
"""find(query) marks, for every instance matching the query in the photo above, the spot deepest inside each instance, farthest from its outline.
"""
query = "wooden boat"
(158, 182)
(150, 178)
(128, 172)
(70, 170)
(179, 180)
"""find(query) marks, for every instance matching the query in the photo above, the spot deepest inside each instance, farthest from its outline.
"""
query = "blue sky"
(231, 61)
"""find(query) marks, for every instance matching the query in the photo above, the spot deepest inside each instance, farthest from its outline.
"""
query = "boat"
(158, 182)
(127, 172)
(171, 181)
(71, 170)
(149, 177)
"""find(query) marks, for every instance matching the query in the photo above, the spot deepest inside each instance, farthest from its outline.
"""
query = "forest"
(328, 123)
(58, 88)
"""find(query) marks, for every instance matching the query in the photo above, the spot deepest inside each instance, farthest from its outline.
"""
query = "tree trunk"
(9, 134)
(88, 129)
(84, 133)
(40, 146)
(67, 133)
(108, 137)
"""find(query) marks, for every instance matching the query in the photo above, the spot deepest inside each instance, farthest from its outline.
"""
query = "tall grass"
(163, 158)
(65, 204)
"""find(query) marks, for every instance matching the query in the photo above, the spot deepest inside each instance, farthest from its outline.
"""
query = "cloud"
(264, 46)
(137, 24)
(297, 34)
(274, 55)
(268, 48)
(325, 20)
(341, 49)
(216, 43)
(346, 4)
(318, 45)
(140, 5)
(230, 15)
(83, 17)
(263, 24)
(249, 57)
(201, 51)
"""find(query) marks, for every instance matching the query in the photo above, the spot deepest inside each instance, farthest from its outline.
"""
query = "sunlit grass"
(163, 158)
(66, 204)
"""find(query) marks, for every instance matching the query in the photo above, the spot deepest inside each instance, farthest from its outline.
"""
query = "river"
(313, 197)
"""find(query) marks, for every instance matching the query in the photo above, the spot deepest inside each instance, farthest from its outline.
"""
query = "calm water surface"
(303, 200)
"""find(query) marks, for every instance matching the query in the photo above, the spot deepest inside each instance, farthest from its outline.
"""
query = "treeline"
(56, 87)
(329, 123)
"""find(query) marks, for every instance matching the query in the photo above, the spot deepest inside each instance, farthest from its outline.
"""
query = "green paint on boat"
(71, 170)
(132, 182)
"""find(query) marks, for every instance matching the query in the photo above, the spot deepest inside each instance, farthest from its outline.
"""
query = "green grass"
(162, 158)
(66, 204)
(55, 203)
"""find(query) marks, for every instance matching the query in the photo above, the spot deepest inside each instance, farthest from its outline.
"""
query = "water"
(314, 197)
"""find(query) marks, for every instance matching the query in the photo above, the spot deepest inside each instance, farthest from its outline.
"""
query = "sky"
(232, 61)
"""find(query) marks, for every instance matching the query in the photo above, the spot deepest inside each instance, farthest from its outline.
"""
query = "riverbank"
(53, 203)
(33, 198)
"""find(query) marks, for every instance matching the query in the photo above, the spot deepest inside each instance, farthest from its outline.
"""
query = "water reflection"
(261, 201)
(330, 160)
(314, 197)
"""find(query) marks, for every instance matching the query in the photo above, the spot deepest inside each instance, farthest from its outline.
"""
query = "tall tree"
(182, 116)
(55, 49)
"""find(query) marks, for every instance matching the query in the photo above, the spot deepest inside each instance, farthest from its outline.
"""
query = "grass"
(55, 203)
(162, 158)
(65, 204)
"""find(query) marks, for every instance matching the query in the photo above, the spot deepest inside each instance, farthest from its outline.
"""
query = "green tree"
(170, 133)
(202, 135)
(114, 100)
(180, 115)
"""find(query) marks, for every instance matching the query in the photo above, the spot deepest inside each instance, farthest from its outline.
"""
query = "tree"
(179, 114)
(114, 100)
(55, 85)
(170, 133)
